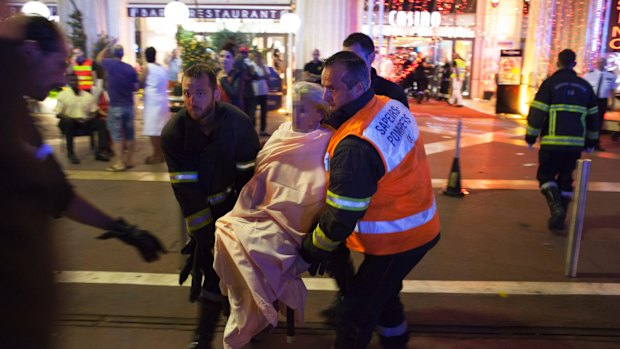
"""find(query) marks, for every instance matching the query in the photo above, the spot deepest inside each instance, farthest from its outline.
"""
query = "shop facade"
(477, 29)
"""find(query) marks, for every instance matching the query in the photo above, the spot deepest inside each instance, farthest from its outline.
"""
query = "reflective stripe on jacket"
(402, 214)
(563, 113)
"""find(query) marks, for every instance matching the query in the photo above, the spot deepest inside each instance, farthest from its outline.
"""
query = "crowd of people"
(367, 178)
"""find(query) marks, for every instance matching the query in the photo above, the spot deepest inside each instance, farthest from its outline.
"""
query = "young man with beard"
(210, 148)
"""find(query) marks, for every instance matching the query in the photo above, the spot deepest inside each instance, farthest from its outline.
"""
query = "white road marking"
(479, 184)
(502, 288)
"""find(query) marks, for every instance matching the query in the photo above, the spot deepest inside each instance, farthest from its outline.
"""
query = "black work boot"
(565, 202)
(209, 314)
(554, 201)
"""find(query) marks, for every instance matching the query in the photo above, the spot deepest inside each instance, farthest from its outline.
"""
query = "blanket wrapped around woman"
(257, 243)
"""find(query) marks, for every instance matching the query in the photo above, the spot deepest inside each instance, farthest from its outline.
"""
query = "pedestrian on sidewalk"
(261, 90)
(122, 82)
(604, 84)
(33, 186)
(156, 112)
(458, 76)
(210, 148)
(564, 115)
(379, 200)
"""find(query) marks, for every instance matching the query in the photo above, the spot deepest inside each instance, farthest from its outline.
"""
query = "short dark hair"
(362, 39)
(230, 47)
(567, 57)
(201, 69)
(118, 51)
(150, 53)
(45, 33)
(355, 66)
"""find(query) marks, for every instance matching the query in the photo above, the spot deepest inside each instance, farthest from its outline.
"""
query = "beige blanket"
(256, 243)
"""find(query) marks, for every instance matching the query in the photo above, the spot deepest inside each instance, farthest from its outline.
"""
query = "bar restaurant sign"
(214, 12)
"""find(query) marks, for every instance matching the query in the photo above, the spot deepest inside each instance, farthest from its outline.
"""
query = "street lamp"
(176, 12)
(36, 8)
(290, 23)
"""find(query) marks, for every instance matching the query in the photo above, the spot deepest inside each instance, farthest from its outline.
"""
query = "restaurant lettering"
(210, 13)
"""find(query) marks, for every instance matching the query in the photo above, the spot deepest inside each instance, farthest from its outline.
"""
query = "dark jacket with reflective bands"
(563, 113)
(207, 172)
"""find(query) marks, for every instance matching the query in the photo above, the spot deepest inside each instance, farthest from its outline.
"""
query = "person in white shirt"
(156, 112)
(261, 90)
(604, 84)
(77, 109)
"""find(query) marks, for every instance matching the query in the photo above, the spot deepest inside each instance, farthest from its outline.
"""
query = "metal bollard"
(576, 219)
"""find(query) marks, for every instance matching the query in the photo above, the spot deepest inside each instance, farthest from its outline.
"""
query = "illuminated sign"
(208, 12)
(613, 33)
(415, 18)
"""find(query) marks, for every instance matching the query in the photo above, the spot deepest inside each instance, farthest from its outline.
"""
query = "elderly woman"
(257, 243)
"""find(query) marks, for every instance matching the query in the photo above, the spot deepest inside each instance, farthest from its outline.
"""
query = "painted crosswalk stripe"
(409, 286)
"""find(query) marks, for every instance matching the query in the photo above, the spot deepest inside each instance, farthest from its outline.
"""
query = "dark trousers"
(602, 108)
(72, 127)
(557, 166)
(262, 102)
(249, 107)
(373, 298)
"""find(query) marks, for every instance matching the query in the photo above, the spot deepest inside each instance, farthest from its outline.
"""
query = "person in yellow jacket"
(379, 200)
(458, 76)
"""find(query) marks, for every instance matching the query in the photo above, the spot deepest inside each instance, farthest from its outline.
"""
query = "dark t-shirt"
(316, 68)
(120, 83)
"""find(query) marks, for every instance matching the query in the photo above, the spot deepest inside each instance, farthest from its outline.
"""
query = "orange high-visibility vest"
(402, 214)
(84, 74)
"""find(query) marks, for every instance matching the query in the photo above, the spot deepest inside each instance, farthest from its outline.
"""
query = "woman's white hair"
(308, 90)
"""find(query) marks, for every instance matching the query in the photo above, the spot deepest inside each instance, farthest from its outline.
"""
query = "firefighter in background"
(458, 76)
(379, 199)
(210, 148)
(564, 115)
(83, 68)
(33, 186)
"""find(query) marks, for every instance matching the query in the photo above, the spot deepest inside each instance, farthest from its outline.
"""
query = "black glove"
(318, 258)
(530, 139)
(147, 244)
(196, 250)
(187, 250)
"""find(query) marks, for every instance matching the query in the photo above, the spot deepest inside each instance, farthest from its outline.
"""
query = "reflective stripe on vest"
(84, 74)
(402, 214)
(397, 225)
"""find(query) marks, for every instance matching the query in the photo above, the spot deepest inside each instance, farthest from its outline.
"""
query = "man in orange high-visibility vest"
(83, 69)
(379, 200)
